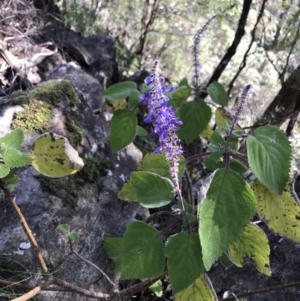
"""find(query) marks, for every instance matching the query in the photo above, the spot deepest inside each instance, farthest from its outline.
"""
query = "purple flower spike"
(165, 122)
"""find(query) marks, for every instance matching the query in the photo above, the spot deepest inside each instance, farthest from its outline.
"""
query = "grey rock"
(96, 214)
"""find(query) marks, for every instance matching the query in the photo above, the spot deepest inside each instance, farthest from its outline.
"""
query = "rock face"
(86, 201)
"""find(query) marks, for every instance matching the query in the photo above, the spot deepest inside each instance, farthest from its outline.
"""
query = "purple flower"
(164, 120)
(162, 115)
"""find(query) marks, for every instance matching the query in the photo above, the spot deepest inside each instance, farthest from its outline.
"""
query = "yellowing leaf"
(199, 290)
(156, 288)
(252, 243)
(53, 156)
(281, 212)
(118, 104)
(223, 120)
(207, 132)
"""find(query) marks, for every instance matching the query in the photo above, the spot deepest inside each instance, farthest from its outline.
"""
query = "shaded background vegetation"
(149, 29)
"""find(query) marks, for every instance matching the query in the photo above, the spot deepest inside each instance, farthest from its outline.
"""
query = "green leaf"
(183, 252)
(143, 252)
(119, 91)
(218, 94)
(252, 243)
(155, 163)
(4, 170)
(225, 260)
(3, 149)
(210, 163)
(195, 117)
(227, 208)
(53, 156)
(183, 82)
(158, 164)
(180, 96)
(156, 288)
(14, 139)
(123, 129)
(151, 190)
(74, 236)
(140, 131)
(269, 155)
(15, 158)
(238, 166)
(200, 290)
(11, 178)
(113, 249)
(128, 193)
(65, 228)
(217, 139)
(134, 99)
(281, 212)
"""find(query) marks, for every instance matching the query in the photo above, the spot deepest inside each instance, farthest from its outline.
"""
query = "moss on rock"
(35, 117)
(38, 104)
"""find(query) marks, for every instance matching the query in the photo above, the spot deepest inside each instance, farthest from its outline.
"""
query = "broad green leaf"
(234, 165)
(143, 252)
(253, 243)
(4, 170)
(14, 139)
(180, 96)
(65, 228)
(134, 99)
(200, 290)
(238, 166)
(158, 164)
(3, 148)
(155, 163)
(151, 189)
(217, 139)
(195, 117)
(119, 91)
(53, 156)
(211, 163)
(113, 249)
(184, 260)
(74, 236)
(218, 94)
(156, 288)
(269, 155)
(128, 193)
(140, 131)
(281, 212)
(15, 158)
(123, 129)
(226, 209)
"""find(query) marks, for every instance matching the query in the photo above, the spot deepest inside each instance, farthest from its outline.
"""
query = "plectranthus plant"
(189, 228)
(166, 124)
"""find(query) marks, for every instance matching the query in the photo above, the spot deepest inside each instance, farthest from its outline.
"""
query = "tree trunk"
(284, 103)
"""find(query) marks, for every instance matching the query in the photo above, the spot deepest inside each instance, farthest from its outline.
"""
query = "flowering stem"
(198, 156)
(165, 122)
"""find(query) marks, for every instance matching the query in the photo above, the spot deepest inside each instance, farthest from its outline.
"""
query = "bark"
(232, 49)
(284, 103)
